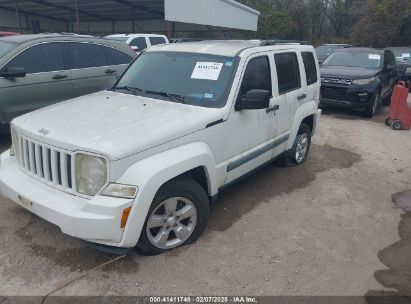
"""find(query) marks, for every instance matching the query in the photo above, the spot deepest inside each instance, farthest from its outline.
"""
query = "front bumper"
(354, 98)
(95, 220)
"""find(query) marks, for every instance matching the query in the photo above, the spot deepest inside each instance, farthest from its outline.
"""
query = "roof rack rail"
(274, 42)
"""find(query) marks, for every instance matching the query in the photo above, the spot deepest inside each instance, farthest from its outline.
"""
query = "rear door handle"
(273, 109)
(303, 96)
(60, 76)
(109, 71)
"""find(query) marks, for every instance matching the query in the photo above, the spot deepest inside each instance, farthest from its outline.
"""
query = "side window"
(157, 40)
(288, 72)
(310, 67)
(116, 57)
(139, 42)
(46, 57)
(257, 75)
(85, 55)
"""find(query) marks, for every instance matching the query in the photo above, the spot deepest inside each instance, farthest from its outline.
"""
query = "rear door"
(47, 82)
(290, 89)
(89, 66)
(117, 59)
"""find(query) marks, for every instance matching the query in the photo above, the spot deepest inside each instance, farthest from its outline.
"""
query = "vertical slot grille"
(51, 165)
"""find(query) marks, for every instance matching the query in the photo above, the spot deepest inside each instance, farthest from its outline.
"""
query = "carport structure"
(101, 16)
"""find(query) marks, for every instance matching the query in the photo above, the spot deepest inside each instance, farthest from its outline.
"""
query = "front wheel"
(373, 106)
(299, 152)
(177, 217)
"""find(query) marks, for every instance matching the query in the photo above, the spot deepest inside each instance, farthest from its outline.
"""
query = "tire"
(293, 157)
(397, 125)
(185, 194)
(373, 106)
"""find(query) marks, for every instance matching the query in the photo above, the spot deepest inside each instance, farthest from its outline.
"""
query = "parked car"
(140, 164)
(358, 78)
(39, 70)
(326, 50)
(139, 42)
(4, 34)
(403, 59)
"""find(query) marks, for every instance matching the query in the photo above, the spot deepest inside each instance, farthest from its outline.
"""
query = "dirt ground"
(338, 225)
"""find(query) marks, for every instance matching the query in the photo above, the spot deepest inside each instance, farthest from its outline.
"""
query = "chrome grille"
(49, 164)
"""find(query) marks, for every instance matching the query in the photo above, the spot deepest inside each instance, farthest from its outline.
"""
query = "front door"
(46, 81)
(250, 133)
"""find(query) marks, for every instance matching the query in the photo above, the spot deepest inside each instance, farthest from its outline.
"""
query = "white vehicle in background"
(139, 42)
(141, 163)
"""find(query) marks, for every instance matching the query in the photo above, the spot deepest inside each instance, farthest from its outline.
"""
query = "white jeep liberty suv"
(138, 165)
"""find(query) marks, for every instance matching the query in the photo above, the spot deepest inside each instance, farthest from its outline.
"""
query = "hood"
(114, 124)
(348, 72)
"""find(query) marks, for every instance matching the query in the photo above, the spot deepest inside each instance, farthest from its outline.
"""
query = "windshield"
(324, 51)
(403, 54)
(122, 39)
(358, 59)
(191, 78)
(5, 47)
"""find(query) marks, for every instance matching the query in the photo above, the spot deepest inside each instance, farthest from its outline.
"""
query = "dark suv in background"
(358, 78)
(403, 59)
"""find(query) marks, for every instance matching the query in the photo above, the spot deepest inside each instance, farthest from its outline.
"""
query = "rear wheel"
(177, 217)
(299, 152)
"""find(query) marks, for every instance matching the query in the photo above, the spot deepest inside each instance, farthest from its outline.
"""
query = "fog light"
(124, 217)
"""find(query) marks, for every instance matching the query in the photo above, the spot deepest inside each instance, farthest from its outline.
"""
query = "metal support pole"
(17, 15)
(77, 17)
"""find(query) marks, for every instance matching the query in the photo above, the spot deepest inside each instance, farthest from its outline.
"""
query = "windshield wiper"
(172, 97)
(130, 89)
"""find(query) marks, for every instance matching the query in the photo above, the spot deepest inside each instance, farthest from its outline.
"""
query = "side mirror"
(254, 100)
(135, 49)
(13, 72)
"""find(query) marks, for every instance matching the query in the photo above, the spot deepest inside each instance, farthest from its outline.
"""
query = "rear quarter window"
(157, 40)
(116, 57)
(310, 67)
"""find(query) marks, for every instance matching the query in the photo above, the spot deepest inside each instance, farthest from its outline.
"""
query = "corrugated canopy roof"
(90, 10)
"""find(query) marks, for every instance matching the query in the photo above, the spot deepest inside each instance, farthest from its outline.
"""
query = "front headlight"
(14, 150)
(364, 81)
(91, 174)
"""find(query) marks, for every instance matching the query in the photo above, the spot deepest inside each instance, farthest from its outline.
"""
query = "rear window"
(288, 72)
(85, 55)
(310, 67)
(6, 47)
(157, 40)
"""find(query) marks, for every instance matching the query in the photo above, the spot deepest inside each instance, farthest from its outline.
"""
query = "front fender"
(151, 173)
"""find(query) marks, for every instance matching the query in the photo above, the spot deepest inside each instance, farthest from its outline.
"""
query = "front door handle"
(273, 109)
(301, 97)
(60, 76)
(109, 71)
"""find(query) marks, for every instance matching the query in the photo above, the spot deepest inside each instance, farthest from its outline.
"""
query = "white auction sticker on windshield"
(207, 70)
(406, 55)
(374, 56)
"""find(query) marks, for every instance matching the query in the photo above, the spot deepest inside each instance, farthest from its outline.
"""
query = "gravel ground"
(338, 225)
